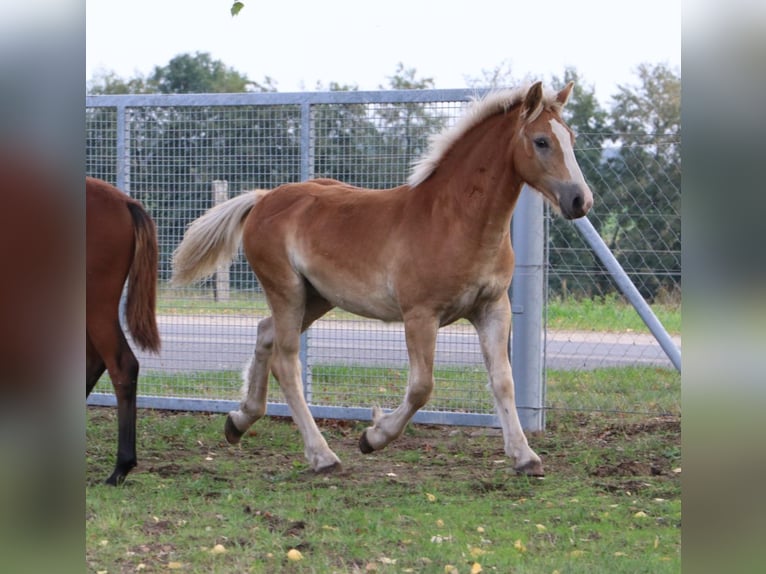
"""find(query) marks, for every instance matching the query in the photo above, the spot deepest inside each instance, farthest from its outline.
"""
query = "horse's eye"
(541, 143)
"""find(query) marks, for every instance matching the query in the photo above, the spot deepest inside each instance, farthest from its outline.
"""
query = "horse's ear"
(532, 101)
(563, 96)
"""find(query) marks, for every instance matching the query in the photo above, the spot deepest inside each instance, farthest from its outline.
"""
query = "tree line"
(629, 153)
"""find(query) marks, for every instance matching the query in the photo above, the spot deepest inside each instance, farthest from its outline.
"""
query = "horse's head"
(543, 153)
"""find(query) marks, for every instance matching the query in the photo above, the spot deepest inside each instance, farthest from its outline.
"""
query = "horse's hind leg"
(421, 345)
(122, 366)
(253, 404)
(125, 383)
(255, 385)
(493, 325)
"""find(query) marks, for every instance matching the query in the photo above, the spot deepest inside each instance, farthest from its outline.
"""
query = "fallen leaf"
(450, 569)
(218, 549)
(576, 553)
(640, 514)
(475, 552)
(430, 497)
(440, 523)
(476, 568)
(385, 560)
(175, 565)
(480, 529)
(540, 527)
(620, 554)
(519, 545)
(294, 555)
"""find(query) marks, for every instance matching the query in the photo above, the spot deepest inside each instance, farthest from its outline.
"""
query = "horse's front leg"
(420, 333)
(493, 325)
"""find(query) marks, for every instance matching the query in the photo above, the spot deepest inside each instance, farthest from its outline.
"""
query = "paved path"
(215, 343)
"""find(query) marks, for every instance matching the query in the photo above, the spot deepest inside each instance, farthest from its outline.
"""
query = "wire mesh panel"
(180, 155)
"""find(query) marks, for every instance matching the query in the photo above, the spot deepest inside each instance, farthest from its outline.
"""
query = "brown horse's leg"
(292, 308)
(122, 366)
(493, 325)
(94, 366)
(256, 375)
(421, 345)
(255, 385)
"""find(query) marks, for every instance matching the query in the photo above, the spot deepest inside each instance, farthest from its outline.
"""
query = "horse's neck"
(476, 182)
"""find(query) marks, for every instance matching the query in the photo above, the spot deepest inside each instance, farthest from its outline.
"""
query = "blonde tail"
(212, 239)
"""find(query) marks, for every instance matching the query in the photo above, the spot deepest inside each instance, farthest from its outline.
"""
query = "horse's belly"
(366, 299)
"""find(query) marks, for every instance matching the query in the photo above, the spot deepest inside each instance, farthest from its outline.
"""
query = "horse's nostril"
(577, 204)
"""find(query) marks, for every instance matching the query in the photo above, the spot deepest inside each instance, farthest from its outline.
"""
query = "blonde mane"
(479, 109)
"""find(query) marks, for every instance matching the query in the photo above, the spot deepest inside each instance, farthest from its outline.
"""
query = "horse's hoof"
(531, 468)
(232, 433)
(115, 480)
(334, 467)
(364, 444)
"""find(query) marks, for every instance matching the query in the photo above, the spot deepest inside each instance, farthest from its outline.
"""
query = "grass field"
(439, 499)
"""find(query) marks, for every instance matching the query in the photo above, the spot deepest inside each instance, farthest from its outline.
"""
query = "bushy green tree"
(644, 200)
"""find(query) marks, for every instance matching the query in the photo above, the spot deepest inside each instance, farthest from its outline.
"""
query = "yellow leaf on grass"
(476, 568)
(450, 569)
(294, 555)
(430, 497)
(475, 552)
(656, 542)
(519, 545)
(576, 553)
(620, 554)
(175, 565)
(218, 549)
(640, 514)
(440, 523)
(541, 527)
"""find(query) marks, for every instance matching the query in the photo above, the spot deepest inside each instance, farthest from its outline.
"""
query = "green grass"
(437, 496)
(610, 314)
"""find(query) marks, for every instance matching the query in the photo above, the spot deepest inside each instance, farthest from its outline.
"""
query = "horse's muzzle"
(575, 201)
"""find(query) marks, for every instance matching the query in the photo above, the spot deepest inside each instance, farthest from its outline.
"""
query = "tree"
(645, 200)
(200, 74)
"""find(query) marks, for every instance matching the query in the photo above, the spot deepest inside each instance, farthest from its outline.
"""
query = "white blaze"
(570, 162)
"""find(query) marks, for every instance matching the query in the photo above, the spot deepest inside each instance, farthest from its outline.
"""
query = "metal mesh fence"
(173, 154)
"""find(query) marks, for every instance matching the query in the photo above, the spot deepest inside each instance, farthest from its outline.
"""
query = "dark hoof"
(531, 468)
(364, 444)
(119, 474)
(232, 433)
(115, 480)
(336, 467)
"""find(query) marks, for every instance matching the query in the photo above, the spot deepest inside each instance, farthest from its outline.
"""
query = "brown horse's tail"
(142, 282)
(212, 239)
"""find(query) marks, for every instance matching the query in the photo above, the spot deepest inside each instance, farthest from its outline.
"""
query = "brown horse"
(121, 241)
(427, 253)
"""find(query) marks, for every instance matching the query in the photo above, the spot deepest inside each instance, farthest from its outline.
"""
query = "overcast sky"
(300, 43)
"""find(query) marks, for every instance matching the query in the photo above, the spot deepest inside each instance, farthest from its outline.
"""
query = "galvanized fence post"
(528, 232)
(222, 282)
(307, 170)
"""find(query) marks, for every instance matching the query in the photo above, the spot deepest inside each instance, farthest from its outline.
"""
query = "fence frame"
(526, 346)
